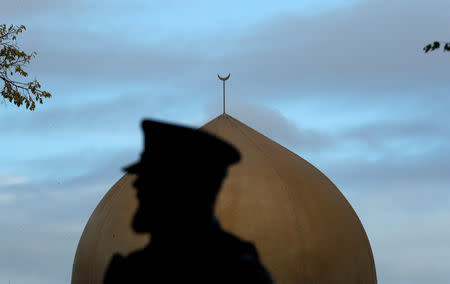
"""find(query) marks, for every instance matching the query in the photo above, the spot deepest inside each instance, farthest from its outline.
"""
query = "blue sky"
(344, 84)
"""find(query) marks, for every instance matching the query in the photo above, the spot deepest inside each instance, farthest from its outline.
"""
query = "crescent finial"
(224, 79)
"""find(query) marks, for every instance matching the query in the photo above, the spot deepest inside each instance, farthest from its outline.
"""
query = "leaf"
(447, 46)
(436, 45)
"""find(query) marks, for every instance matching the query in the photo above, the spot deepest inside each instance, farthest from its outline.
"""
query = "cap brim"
(134, 168)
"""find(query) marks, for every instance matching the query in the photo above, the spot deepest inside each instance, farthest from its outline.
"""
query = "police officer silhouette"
(178, 178)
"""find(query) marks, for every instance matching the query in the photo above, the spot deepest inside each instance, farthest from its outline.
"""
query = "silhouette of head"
(178, 176)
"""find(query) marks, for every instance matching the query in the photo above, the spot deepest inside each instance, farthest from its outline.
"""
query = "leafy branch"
(12, 61)
(435, 45)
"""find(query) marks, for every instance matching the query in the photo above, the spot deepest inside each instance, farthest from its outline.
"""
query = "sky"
(343, 84)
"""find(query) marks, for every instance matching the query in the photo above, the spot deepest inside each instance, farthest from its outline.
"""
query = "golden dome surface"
(304, 229)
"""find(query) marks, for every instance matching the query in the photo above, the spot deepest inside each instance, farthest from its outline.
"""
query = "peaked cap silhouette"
(179, 145)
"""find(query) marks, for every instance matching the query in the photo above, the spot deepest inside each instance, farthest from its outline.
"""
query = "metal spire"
(223, 80)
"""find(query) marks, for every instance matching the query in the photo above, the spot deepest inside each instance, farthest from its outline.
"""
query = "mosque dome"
(304, 229)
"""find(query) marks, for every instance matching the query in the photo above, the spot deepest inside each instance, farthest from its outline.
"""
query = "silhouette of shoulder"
(130, 269)
(223, 259)
(115, 271)
(242, 261)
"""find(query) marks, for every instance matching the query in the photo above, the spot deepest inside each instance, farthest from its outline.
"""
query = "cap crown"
(173, 145)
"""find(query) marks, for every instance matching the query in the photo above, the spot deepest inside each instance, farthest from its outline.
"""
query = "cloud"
(45, 220)
(358, 54)
(364, 52)
(8, 179)
(424, 169)
(369, 47)
(7, 197)
(23, 8)
(105, 114)
(401, 134)
(409, 246)
(273, 124)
